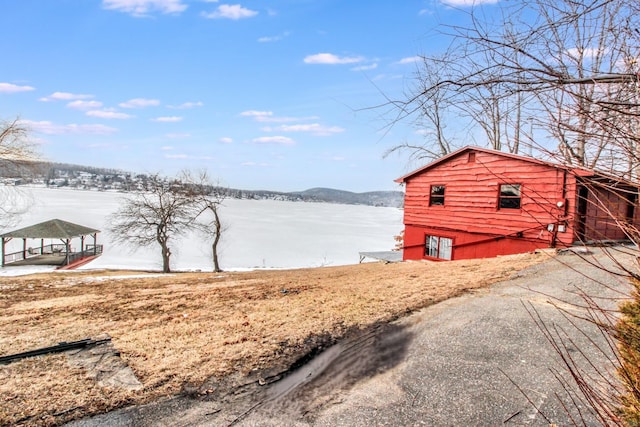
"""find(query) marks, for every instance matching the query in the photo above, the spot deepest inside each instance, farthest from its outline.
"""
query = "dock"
(386, 256)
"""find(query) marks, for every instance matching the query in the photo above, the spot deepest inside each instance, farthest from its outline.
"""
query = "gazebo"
(53, 253)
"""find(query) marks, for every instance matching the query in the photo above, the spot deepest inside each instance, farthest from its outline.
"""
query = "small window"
(438, 247)
(437, 195)
(509, 196)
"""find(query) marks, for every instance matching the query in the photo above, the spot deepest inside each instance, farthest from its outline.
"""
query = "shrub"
(628, 335)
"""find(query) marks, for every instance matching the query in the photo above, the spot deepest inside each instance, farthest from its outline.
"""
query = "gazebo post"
(3, 243)
(67, 246)
(24, 248)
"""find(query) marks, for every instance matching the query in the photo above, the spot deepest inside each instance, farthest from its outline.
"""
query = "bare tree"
(17, 156)
(431, 120)
(208, 199)
(569, 65)
(14, 144)
(161, 211)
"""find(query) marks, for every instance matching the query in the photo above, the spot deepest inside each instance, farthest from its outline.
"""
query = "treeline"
(95, 178)
(325, 195)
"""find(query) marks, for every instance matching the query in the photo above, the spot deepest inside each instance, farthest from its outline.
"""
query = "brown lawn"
(177, 330)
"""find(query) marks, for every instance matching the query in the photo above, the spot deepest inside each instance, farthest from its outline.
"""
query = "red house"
(477, 203)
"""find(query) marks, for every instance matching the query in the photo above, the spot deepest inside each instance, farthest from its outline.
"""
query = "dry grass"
(179, 329)
(627, 333)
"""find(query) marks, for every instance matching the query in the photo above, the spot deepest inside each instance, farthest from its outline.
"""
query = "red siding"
(468, 245)
(471, 214)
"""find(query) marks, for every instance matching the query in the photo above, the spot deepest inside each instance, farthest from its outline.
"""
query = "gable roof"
(52, 229)
(585, 173)
(468, 148)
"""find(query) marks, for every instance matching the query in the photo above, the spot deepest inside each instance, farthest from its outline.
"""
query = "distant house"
(477, 203)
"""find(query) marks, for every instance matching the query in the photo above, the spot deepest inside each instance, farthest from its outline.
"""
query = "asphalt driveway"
(481, 360)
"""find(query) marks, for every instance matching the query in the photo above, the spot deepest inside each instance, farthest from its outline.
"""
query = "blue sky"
(270, 94)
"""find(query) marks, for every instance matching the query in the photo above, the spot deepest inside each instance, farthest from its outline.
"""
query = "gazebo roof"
(52, 229)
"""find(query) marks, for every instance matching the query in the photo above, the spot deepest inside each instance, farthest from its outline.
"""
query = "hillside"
(92, 178)
(327, 195)
(374, 198)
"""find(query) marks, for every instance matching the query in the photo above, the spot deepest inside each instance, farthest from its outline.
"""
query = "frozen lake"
(258, 233)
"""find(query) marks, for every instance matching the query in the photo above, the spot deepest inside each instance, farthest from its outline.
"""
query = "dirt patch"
(181, 332)
(103, 364)
(321, 380)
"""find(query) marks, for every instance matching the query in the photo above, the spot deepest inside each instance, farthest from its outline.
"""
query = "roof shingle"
(52, 229)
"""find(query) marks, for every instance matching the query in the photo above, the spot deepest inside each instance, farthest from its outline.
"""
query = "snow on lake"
(258, 233)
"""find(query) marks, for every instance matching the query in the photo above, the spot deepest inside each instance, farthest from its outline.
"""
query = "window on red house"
(437, 195)
(438, 247)
(509, 196)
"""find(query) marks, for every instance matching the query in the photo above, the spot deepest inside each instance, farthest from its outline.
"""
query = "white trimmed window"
(438, 247)
(437, 195)
(509, 196)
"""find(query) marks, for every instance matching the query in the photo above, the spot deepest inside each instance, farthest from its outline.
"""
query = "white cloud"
(254, 164)
(260, 116)
(463, 3)
(329, 58)
(65, 96)
(313, 128)
(274, 140)
(108, 114)
(168, 119)
(410, 60)
(230, 11)
(144, 7)
(140, 103)
(11, 88)
(50, 128)
(167, 148)
(338, 158)
(268, 117)
(84, 105)
(365, 67)
(186, 105)
(269, 39)
(589, 53)
(226, 140)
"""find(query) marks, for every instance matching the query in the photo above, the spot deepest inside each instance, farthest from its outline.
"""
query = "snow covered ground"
(259, 233)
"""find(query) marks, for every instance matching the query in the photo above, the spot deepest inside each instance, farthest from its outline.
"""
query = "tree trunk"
(216, 265)
(166, 252)
(166, 255)
(216, 240)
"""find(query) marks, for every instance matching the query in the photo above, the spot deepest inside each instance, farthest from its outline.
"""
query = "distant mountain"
(325, 195)
(88, 177)
(371, 198)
